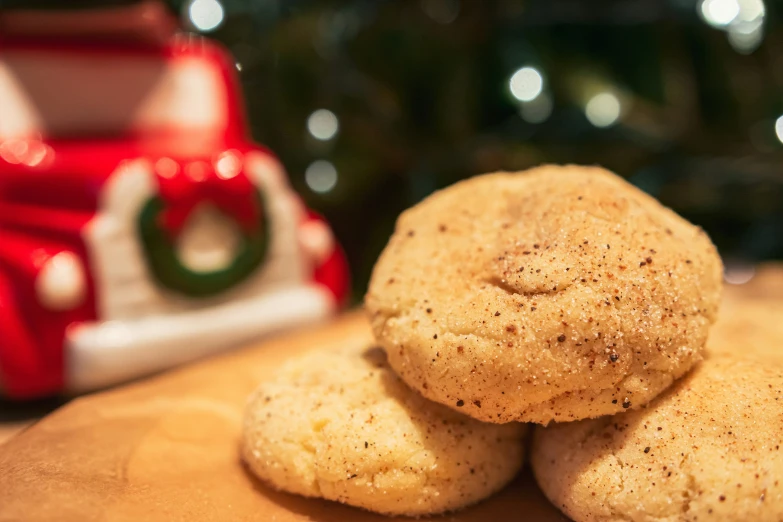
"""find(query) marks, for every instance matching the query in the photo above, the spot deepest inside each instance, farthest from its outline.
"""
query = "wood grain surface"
(165, 449)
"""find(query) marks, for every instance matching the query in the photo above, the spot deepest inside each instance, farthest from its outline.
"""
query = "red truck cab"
(140, 226)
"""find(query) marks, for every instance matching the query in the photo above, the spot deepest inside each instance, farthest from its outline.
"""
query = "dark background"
(421, 93)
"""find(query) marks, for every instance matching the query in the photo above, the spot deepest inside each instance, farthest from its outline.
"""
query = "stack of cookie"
(562, 297)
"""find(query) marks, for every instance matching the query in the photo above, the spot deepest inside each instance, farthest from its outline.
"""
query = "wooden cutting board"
(165, 449)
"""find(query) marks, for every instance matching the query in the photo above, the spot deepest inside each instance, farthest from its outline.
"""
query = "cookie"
(560, 293)
(342, 426)
(750, 328)
(709, 448)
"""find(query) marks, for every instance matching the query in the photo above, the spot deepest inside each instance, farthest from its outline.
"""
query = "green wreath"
(161, 256)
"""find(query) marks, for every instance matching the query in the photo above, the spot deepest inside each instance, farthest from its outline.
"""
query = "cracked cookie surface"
(342, 426)
(560, 293)
(709, 448)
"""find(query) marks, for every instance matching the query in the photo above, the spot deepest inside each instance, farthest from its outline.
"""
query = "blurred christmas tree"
(372, 105)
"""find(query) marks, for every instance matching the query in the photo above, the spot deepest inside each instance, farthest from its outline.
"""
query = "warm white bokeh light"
(206, 15)
(321, 176)
(738, 274)
(603, 110)
(228, 164)
(779, 128)
(441, 11)
(745, 41)
(719, 13)
(323, 124)
(746, 31)
(526, 84)
(751, 10)
(743, 20)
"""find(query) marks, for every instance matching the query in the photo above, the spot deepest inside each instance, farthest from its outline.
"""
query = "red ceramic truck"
(140, 226)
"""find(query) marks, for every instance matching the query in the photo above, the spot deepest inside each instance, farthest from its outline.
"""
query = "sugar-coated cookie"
(342, 426)
(560, 293)
(709, 448)
(750, 328)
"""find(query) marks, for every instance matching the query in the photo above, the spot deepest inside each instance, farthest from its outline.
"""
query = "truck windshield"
(65, 94)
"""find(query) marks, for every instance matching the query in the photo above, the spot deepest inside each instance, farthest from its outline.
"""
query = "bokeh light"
(205, 15)
(526, 84)
(745, 41)
(750, 10)
(32, 153)
(743, 20)
(228, 164)
(321, 176)
(323, 124)
(197, 170)
(719, 13)
(746, 32)
(442, 11)
(166, 167)
(779, 128)
(738, 273)
(603, 110)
